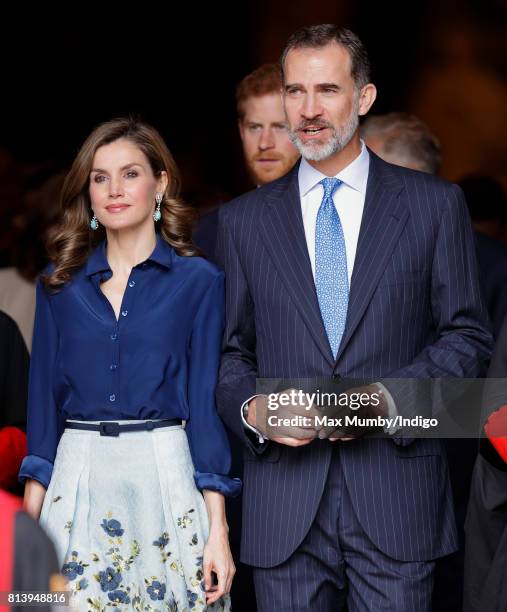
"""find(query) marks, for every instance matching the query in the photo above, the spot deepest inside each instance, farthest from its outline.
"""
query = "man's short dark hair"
(318, 36)
(405, 135)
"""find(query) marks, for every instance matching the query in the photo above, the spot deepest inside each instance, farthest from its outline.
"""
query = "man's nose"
(311, 107)
(266, 140)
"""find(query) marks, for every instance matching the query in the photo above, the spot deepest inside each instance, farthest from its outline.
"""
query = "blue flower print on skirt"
(156, 590)
(133, 540)
(112, 527)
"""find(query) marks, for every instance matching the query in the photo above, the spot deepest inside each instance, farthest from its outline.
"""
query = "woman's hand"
(34, 498)
(217, 558)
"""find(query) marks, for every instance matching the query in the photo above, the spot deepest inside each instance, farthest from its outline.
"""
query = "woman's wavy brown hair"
(72, 240)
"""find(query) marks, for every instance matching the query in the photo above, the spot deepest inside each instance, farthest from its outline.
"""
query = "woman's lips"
(116, 208)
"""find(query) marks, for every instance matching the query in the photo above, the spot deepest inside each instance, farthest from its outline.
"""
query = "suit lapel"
(283, 233)
(384, 217)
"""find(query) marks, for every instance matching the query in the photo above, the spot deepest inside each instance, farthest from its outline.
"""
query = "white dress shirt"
(348, 200)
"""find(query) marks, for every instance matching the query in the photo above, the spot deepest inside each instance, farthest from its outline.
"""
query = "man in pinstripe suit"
(358, 522)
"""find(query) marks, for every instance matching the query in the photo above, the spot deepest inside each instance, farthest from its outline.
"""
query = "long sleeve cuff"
(261, 437)
(37, 468)
(230, 487)
(392, 412)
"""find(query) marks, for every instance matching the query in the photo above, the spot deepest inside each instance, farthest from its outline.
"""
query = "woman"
(126, 346)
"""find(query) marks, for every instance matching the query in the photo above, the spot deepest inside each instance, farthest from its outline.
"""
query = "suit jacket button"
(336, 376)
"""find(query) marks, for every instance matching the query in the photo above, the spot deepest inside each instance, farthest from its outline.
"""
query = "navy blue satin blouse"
(158, 361)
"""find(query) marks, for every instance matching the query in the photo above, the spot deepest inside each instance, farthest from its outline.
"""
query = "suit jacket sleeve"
(238, 369)
(463, 341)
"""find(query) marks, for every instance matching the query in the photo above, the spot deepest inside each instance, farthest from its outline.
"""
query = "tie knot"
(330, 185)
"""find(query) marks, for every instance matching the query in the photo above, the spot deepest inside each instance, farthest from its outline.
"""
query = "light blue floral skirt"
(128, 522)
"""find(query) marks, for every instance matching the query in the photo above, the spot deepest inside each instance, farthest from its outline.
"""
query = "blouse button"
(124, 313)
(113, 366)
(132, 283)
(114, 336)
(112, 397)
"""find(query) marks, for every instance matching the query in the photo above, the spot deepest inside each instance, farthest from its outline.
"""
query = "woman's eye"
(131, 173)
(99, 178)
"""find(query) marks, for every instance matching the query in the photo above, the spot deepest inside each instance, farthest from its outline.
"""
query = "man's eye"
(254, 128)
(281, 127)
(293, 91)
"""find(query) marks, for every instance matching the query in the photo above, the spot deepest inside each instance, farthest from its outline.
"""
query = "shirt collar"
(162, 254)
(355, 175)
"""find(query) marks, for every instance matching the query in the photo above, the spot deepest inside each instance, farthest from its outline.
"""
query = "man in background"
(404, 140)
(267, 149)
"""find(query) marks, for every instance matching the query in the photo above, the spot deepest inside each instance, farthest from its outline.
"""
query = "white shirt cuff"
(262, 438)
(392, 412)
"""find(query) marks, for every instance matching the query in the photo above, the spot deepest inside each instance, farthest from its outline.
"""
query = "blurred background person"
(267, 150)
(24, 255)
(402, 139)
(487, 204)
(485, 584)
(14, 363)
(28, 559)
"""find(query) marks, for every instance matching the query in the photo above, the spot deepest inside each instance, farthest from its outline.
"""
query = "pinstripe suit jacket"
(415, 310)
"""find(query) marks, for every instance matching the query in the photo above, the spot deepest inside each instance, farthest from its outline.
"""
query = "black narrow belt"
(110, 428)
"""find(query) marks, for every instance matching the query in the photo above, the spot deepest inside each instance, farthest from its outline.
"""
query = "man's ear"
(367, 97)
(241, 129)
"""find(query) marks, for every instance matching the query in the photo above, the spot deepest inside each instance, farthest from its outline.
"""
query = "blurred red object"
(496, 430)
(12, 452)
(9, 506)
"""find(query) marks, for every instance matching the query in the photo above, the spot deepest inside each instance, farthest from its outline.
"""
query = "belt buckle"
(108, 428)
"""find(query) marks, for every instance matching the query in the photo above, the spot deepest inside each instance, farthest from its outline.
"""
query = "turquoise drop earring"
(94, 224)
(157, 215)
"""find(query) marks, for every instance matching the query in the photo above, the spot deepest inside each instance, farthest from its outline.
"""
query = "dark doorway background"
(178, 66)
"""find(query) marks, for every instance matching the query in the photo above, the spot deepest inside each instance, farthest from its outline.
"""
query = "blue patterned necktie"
(331, 280)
